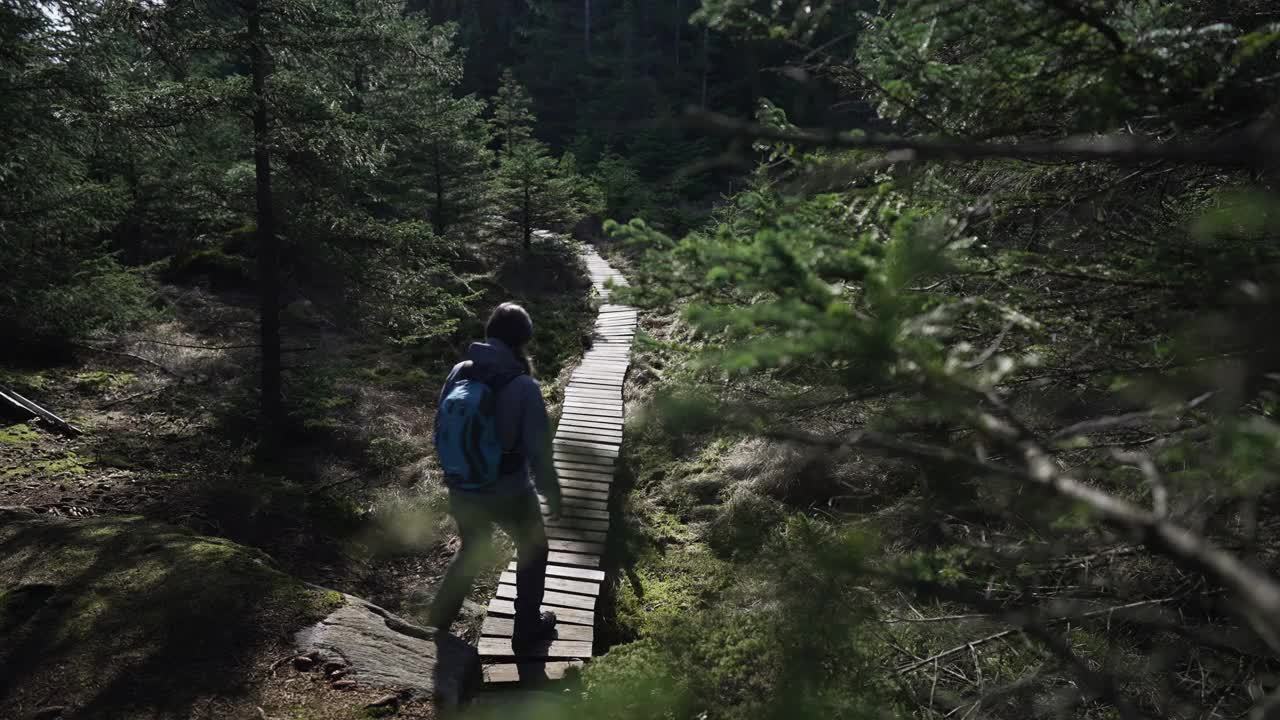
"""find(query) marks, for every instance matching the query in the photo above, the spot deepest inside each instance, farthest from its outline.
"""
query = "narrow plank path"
(586, 444)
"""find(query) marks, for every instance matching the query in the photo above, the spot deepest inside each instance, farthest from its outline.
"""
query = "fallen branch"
(1118, 421)
(131, 356)
(1022, 626)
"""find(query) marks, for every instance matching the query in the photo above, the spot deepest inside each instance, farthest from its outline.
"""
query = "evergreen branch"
(1258, 148)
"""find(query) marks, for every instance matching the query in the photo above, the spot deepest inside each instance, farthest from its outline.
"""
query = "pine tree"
(539, 192)
(513, 117)
(55, 205)
(335, 89)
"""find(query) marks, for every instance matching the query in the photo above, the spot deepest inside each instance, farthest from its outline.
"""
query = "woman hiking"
(492, 434)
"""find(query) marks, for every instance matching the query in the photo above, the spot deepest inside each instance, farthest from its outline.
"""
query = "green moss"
(20, 434)
(69, 464)
(132, 616)
(102, 380)
(31, 381)
(386, 454)
(674, 581)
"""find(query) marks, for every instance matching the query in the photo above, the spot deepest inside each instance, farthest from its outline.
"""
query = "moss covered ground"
(124, 617)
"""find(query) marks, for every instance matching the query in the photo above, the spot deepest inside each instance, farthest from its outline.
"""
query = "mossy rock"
(222, 269)
(128, 618)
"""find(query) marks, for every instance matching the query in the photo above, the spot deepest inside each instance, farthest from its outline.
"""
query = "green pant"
(520, 518)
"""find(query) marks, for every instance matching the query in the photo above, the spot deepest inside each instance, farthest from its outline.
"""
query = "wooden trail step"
(500, 674)
(506, 627)
(569, 616)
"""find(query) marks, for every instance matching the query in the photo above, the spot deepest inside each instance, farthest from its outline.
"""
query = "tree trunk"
(526, 221)
(271, 412)
(676, 48)
(706, 61)
(437, 222)
(586, 33)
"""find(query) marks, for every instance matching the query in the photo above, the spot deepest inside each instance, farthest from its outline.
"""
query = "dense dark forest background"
(957, 392)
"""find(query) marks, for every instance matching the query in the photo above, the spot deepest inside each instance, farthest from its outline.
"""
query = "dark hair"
(513, 326)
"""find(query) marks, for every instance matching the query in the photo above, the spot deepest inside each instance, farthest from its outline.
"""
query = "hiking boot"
(532, 636)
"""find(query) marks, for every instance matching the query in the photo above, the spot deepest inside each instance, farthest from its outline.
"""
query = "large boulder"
(380, 649)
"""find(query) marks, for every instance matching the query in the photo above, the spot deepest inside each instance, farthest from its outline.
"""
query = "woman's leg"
(522, 520)
(475, 528)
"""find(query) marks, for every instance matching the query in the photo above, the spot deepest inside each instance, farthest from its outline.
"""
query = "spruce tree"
(513, 117)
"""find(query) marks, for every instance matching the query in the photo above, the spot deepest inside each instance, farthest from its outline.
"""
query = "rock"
(302, 663)
(389, 652)
(345, 685)
(387, 701)
(49, 713)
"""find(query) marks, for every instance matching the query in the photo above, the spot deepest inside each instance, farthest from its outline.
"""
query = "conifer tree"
(513, 117)
(539, 192)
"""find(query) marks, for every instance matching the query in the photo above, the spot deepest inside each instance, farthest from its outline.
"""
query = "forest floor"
(353, 505)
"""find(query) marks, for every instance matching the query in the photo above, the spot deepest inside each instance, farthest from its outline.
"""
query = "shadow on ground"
(127, 618)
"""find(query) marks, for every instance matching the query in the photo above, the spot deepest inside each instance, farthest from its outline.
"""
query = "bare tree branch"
(1257, 594)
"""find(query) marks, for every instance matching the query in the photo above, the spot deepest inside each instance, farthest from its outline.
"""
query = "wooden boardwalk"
(586, 444)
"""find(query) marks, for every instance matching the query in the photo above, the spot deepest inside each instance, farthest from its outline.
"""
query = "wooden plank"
(607, 409)
(572, 512)
(606, 435)
(577, 546)
(582, 459)
(601, 430)
(510, 673)
(557, 557)
(573, 616)
(588, 494)
(572, 533)
(579, 523)
(597, 426)
(572, 455)
(589, 420)
(501, 647)
(565, 433)
(618, 369)
(614, 414)
(582, 421)
(594, 505)
(614, 390)
(585, 475)
(584, 465)
(584, 383)
(606, 363)
(587, 448)
(506, 627)
(550, 597)
(568, 572)
(596, 402)
(603, 377)
(602, 366)
(583, 486)
(577, 587)
(613, 377)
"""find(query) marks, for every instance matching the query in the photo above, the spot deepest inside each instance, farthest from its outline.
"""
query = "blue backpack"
(467, 441)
